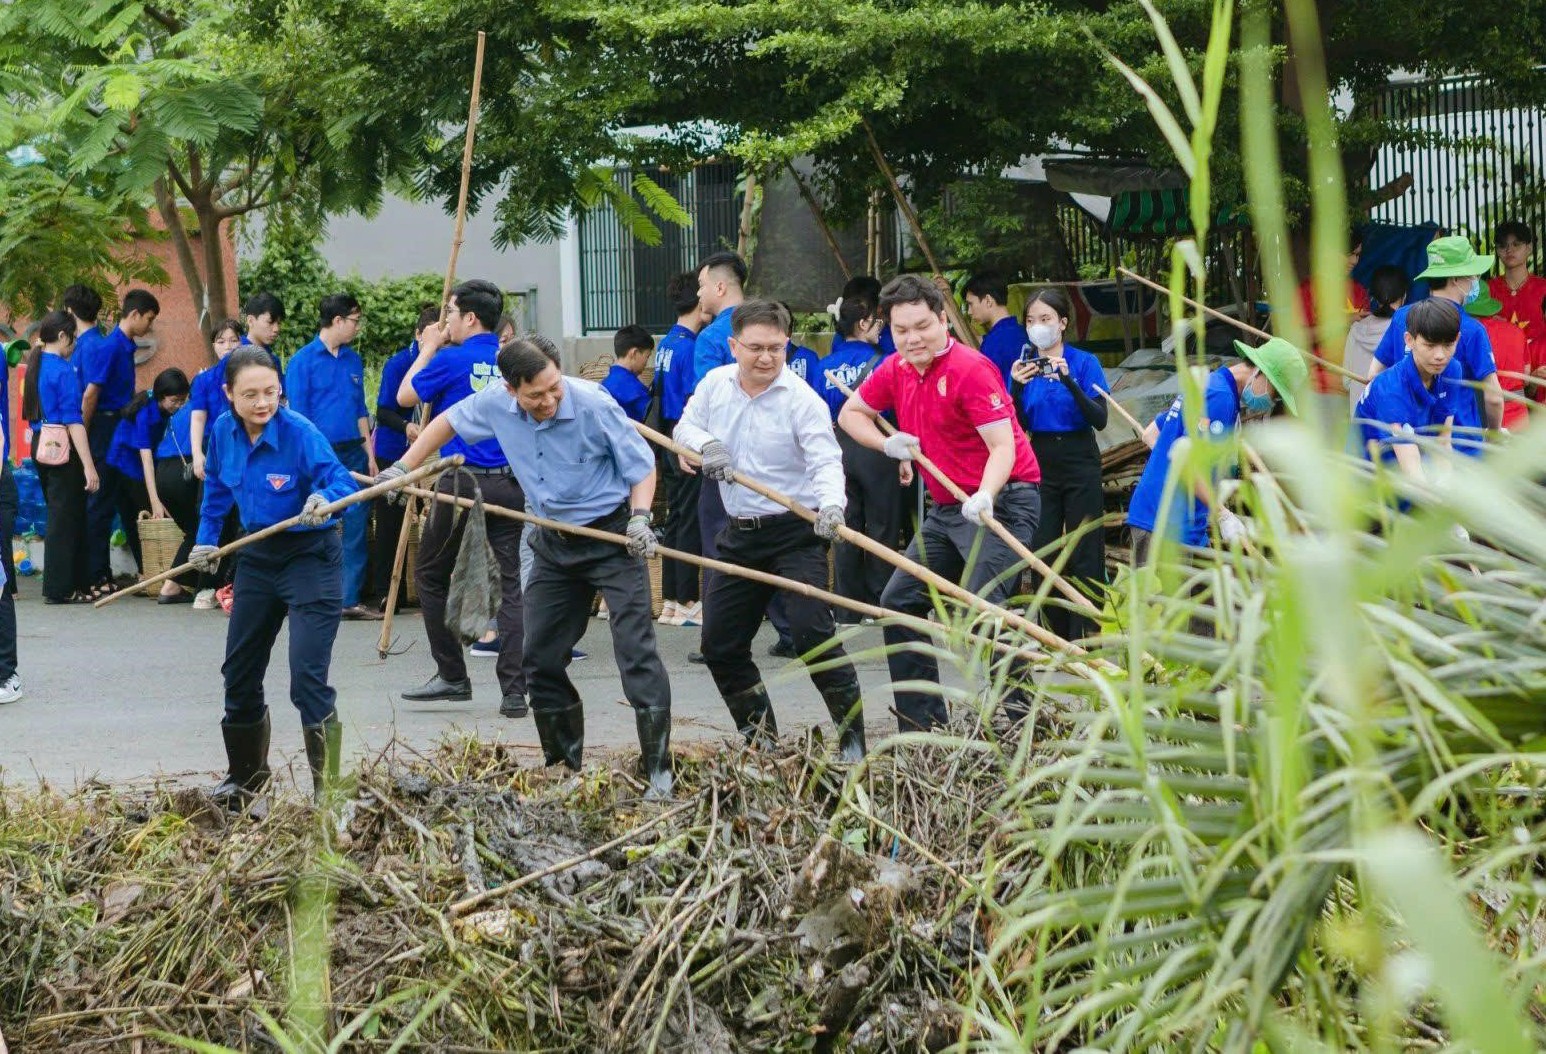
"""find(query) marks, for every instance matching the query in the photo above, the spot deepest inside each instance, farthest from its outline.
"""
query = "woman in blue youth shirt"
(52, 396)
(272, 464)
(1056, 391)
(140, 425)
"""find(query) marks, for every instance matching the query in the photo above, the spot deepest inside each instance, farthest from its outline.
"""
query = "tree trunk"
(166, 206)
(216, 305)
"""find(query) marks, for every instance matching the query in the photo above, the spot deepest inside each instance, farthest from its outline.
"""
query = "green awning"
(1163, 214)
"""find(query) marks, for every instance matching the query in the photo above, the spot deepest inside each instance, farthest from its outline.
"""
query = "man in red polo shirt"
(950, 402)
(1521, 295)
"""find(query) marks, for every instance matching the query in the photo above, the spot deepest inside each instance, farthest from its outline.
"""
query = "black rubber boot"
(655, 751)
(847, 710)
(247, 772)
(562, 734)
(323, 743)
(752, 712)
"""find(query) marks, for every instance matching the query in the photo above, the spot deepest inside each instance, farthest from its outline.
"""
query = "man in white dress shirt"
(755, 418)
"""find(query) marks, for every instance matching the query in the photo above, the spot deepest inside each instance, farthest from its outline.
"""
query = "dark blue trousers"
(102, 503)
(711, 520)
(356, 525)
(299, 574)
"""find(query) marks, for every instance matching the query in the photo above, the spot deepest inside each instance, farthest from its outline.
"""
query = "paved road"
(131, 692)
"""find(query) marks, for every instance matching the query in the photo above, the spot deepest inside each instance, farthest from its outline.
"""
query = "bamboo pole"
(708, 563)
(1019, 548)
(952, 589)
(1121, 410)
(1326, 364)
(963, 331)
(821, 219)
(439, 465)
(410, 513)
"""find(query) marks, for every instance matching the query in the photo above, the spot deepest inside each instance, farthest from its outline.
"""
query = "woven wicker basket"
(159, 541)
(596, 369)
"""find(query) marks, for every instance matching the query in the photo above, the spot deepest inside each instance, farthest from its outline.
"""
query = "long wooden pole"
(410, 513)
(1121, 410)
(439, 465)
(952, 589)
(963, 331)
(990, 521)
(1246, 327)
(821, 219)
(709, 563)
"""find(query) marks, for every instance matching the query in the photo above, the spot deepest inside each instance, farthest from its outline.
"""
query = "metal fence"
(622, 280)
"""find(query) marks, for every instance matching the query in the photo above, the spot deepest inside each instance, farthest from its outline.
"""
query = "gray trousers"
(566, 574)
(961, 552)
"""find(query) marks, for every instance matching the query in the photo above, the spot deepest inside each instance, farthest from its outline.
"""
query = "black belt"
(752, 523)
(498, 470)
(1010, 487)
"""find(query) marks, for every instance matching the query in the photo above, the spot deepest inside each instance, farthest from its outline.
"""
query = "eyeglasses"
(356, 319)
(761, 349)
(1504, 247)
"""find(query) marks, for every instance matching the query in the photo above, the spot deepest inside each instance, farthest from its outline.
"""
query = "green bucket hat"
(1483, 306)
(16, 350)
(1453, 257)
(1282, 364)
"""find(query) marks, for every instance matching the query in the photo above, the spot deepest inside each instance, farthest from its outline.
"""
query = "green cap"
(1453, 257)
(1282, 364)
(16, 350)
(1483, 306)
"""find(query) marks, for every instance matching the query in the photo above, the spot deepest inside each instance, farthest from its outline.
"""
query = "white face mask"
(1043, 334)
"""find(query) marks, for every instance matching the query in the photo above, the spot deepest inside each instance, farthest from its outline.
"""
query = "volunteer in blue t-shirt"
(1414, 397)
(1248, 389)
(987, 305)
(207, 392)
(673, 383)
(632, 350)
(1057, 392)
(139, 428)
(1455, 273)
(457, 360)
(395, 429)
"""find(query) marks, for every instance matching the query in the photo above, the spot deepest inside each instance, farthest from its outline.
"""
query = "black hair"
(760, 313)
(84, 302)
(1435, 320)
(429, 315)
(1520, 232)
(139, 301)
(55, 324)
(506, 321)
(853, 310)
(243, 357)
(682, 291)
(725, 259)
(260, 304)
(483, 299)
(336, 305)
(168, 382)
(910, 289)
(229, 324)
(1055, 298)
(523, 359)
(986, 284)
(544, 345)
(1387, 285)
(864, 287)
(1355, 239)
(630, 337)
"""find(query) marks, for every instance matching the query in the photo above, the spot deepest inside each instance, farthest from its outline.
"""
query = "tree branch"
(165, 19)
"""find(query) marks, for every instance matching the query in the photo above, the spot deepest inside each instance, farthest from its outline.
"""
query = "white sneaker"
(670, 614)
(10, 691)
(204, 600)
(692, 614)
(601, 611)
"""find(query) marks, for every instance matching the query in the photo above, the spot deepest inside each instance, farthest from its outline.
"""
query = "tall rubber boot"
(752, 712)
(323, 743)
(847, 710)
(247, 771)
(654, 727)
(562, 734)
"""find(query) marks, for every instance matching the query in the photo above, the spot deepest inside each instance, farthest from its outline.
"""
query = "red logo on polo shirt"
(994, 401)
(277, 481)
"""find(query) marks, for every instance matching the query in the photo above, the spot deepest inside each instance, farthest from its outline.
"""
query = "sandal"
(100, 590)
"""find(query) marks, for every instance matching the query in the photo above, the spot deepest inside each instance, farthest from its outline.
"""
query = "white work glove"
(311, 513)
(1460, 534)
(977, 508)
(203, 558)
(396, 470)
(716, 461)
(641, 539)
(901, 446)
(1231, 528)
(829, 521)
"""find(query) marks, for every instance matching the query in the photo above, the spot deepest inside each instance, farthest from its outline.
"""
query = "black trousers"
(711, 524)
(66, 567)
(732, 607)
(679, 581)
(133, 499)
(102, 504)
(383, 554)
(875, 509)
(438, 547)
(1071, 496)
(182, 493)
(566, 574)
(10, 502)
(963, 552)
(299, 574)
